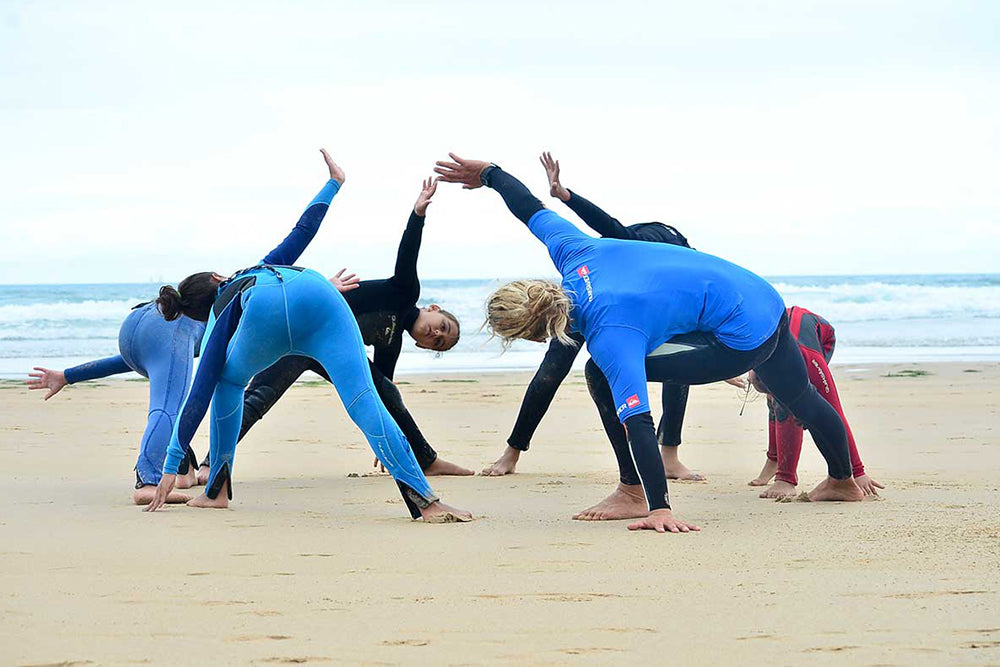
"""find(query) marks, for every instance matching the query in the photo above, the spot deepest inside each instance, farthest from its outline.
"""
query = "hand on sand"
(663, 521)
(47, 379)
(336, 173)
(438, 512)
(504, 465)
(467, 172)
(552, 172)
(345, 283)
(163, 490)
(868, 485)
(424, 198)
(739, 381)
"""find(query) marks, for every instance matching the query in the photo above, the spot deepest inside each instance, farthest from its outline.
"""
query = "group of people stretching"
(647, 306)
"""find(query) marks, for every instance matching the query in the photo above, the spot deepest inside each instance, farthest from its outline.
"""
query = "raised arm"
(596, 219)
(559, 235)
(289, 250)
(405, 272)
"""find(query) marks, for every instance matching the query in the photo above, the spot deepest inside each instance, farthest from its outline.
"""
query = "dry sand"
(310, 565)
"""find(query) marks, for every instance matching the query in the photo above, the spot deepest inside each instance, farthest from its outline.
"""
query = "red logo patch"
(583, 271)
(632, 400)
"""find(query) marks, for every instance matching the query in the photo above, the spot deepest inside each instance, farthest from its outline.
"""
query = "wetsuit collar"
(409, 318)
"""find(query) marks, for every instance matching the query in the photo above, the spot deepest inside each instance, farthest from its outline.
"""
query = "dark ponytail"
(193, 297)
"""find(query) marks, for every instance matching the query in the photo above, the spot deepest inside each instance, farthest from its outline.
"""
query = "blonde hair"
(530, 310)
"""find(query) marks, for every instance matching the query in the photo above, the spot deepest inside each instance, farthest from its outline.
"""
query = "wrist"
(486, 172)
(563, 195)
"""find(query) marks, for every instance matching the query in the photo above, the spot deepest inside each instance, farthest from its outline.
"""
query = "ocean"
(904, 318)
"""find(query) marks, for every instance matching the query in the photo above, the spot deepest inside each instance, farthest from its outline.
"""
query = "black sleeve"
(393, 402)
(646, 453)
(270, 384)
(596, 218)
(538, 397)
(405, 273)
(386, 356)
(518, 198)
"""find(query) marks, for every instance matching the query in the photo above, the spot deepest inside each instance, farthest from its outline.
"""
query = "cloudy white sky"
(144, 142)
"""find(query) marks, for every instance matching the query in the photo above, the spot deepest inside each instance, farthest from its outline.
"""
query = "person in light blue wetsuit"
(160, 351)
(654, 312)
(258, 316)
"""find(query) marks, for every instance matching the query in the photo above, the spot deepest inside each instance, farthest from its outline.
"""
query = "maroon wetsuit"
(816, 340)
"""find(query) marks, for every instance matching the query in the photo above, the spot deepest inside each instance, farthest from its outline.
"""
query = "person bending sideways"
(257, 316)
(658, 312)
(559, 358)
(816, 340)
(384, 310)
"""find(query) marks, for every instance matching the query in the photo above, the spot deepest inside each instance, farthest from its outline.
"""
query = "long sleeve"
(213, 359)
(97, 369)
(596, 218)
(405, 273)
(538, 397)
(386, 356)
(289, 250)
(518, 198)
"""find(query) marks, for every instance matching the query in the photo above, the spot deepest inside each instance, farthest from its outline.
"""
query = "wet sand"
(312, 565)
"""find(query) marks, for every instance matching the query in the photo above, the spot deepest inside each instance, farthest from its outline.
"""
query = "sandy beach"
(312, 564)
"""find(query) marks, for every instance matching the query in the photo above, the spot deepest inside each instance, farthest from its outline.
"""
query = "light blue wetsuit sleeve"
(562, 238)
(289, 250)
(97, 369)
(213, 359)
(620, 353)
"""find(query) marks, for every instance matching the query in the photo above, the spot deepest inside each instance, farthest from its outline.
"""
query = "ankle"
(633, 491)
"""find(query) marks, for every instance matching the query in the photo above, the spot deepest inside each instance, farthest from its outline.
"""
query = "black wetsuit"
(384, 310)
(559, 358)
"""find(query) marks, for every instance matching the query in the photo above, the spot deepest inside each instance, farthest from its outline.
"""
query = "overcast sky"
(145, 142)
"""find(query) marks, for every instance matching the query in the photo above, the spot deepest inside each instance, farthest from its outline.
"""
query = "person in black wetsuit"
(384, 310)
(559, 358)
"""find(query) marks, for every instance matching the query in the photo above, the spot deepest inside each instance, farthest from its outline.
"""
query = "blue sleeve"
(620, 353)
(213, 359)
(289, 250)
(560, 236)
(97, 369)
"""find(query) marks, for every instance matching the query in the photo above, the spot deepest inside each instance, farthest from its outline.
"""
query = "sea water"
(904, 318)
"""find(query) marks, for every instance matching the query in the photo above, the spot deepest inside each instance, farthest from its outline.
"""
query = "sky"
(143, 142)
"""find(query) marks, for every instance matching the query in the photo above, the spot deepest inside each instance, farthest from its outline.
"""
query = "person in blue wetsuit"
(164, 353)
(258, 316)
(559, 358)
(654, 312)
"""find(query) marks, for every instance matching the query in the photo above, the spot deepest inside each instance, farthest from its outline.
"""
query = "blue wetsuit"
(271, 311)
(669, 313)
(164, 353)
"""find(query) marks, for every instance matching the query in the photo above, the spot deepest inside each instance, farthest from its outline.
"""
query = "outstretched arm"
(558, 234)
(596, 219)
(538, 397)
(54, 381)
(289, 250)
(213, 359)
(405, 272)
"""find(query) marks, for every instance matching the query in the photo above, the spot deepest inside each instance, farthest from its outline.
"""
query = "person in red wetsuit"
(816, 340)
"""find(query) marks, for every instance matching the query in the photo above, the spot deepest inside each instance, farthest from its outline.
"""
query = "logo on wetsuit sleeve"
(584, 272)
(630, 402)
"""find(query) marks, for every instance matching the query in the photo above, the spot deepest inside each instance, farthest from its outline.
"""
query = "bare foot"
(504, 465)
(674, 469)
(145, 494)
(188, 480)
(831, 489)
(203, 475)
(625, 502)
(766, 473)
(220, 502)
(779, 489)
(440, 467)
(438, 512)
